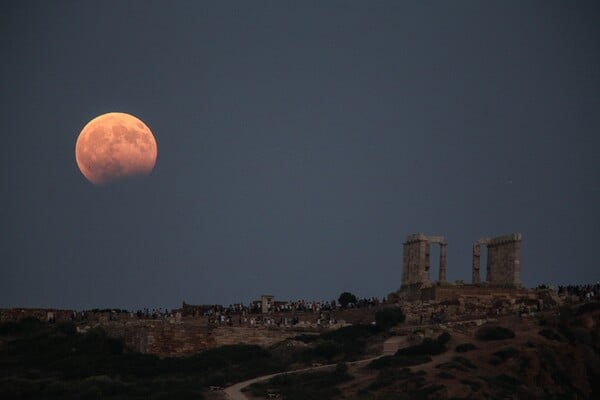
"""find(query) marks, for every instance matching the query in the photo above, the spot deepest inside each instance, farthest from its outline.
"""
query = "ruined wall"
(415, 260)
(453, 292)
(225, 335)
(173, 339)
(504, 261)
(463, 303)
(476, 263)
(43, 314)
(416, 263)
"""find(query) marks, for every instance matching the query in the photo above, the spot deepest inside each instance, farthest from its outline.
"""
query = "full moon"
(113, 147)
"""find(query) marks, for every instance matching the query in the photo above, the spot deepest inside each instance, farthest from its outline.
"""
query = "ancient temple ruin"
(416, 263)
(503, 266)
(503, 260)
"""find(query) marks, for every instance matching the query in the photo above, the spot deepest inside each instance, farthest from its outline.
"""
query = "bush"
(349, 341)
(389, 317)
(347, 298)
(388, 377)
(341, 368)
(26, 326)
(503, 381)
(475, 386)
(309, 385)
(494, 333)
(429, 347)
(9, 328)
(68, 328)
(550, 334)
(444, 338)
(327, 349)
(459, 363)
(464, 361)
(398, 361)
(464, 347)
(588, 307)
(506, 353)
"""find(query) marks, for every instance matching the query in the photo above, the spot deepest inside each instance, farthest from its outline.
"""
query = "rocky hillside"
(553, 356)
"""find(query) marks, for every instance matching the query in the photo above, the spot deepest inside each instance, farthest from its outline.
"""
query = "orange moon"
(113, 147)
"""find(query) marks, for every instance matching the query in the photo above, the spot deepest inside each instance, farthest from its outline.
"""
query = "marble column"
(442, 276)
(476, 263)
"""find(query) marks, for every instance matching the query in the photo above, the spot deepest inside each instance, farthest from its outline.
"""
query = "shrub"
(341, 368)
(494, 333)
(9, 328)
(327, 349)
(304, 338)
(426, 392)
(389, 317)
(464, 361)
(68, 328)
(550, 334)
(464, 347)
(388, 377)
(428, 347)
(475, 386)
(26, 326)
(104, 383)
(349, 341)
(506, 353)
(495, 360)
(347, 298)
(507, 380)
(459, 363)
(309, 385)
(398, 361)
(444, 338)
(588, 307)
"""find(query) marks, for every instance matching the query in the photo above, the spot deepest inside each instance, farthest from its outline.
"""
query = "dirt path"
(234, 392)
(390, 346)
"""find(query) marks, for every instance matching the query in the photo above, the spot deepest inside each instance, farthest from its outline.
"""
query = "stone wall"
(226, 335)
(172, 339)
(416, 259)
(474, 302)
(182, 337)
(452, 292)
(43, 314)
(504, 261)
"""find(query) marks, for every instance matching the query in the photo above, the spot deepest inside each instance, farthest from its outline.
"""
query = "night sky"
(299, 143)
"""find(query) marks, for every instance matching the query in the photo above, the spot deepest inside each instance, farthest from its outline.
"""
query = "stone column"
(442, 277)
(476, 263)
(517, 263)
(405, 265)
(424, 261)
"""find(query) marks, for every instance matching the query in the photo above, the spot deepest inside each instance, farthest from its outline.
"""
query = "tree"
(347, 298)
(389, 317)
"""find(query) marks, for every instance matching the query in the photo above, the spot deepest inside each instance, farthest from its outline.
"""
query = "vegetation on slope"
(48, 362)
(41, 361)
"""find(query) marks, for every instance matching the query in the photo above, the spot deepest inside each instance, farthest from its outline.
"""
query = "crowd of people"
(251, 315)
(583, 292)
(255, 307)
(587, 292)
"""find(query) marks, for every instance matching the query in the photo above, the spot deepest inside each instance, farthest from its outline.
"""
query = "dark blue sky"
(299, 143)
